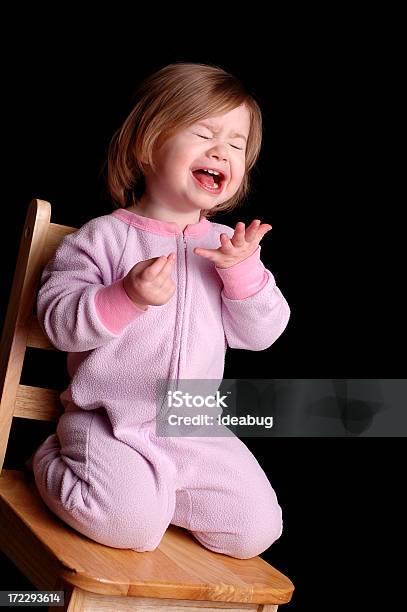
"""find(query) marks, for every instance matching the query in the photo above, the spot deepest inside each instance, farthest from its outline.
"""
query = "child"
(155, 290)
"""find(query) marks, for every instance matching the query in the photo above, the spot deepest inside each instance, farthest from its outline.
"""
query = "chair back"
(39, 241)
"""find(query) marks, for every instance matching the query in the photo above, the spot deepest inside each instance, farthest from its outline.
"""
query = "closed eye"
(208, 138)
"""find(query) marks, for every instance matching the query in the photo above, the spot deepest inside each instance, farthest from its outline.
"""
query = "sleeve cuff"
(245, 278)
(114, 307)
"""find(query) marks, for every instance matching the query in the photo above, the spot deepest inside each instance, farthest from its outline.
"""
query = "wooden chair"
(180, 574)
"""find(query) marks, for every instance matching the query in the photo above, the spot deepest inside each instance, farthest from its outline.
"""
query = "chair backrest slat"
(55, 234)
(37, 403)
(39, 241)
(36, 337)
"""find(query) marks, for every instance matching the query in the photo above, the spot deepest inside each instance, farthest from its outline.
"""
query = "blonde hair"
(172, 98)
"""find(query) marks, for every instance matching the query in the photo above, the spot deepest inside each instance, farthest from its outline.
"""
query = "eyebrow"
(233, 134)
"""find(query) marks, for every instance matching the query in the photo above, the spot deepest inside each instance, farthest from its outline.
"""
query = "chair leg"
(68, 591)
(78, 600)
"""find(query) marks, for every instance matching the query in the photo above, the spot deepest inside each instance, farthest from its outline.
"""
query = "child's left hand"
(234, 250)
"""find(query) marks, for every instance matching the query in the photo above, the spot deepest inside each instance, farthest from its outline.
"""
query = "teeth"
(211, 171)
(215, 173)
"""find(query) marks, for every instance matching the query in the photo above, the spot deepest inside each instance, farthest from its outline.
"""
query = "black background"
(325, 181)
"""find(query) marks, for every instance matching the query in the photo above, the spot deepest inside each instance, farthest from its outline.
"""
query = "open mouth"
(209, 181)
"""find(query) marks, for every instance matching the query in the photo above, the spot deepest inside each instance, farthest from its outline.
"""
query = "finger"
(251, 231)
(226, 243)
(165, 272)
(155, 268)
(262, 231)
(238, 238)
(264, 228)
(207, 253)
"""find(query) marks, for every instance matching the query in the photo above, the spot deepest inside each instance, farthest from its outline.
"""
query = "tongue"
(204, 178)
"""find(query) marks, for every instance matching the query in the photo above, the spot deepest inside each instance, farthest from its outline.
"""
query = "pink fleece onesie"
(105, 472)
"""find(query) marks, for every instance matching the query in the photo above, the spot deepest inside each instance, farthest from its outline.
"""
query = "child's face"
(174, 185)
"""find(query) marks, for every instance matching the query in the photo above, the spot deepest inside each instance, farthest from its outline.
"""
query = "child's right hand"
(149, 282)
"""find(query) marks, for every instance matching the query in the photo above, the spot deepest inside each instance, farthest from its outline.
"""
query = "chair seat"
(180, 568)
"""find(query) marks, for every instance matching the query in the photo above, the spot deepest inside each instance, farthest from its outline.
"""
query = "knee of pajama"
(259, 534)
(258, 540)
(119, 523)
(260, 524)
(251, 537)
(116, 534)
(121, 528)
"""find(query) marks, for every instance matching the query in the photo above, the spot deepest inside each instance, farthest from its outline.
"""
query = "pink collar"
(165, 228)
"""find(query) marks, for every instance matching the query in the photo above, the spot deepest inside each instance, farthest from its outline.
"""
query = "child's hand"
(242, 244)
(150, 282)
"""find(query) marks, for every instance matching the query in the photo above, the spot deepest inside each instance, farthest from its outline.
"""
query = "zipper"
(173, 386)
(183, 310)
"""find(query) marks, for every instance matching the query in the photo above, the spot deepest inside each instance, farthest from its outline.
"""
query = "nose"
(220, 152)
